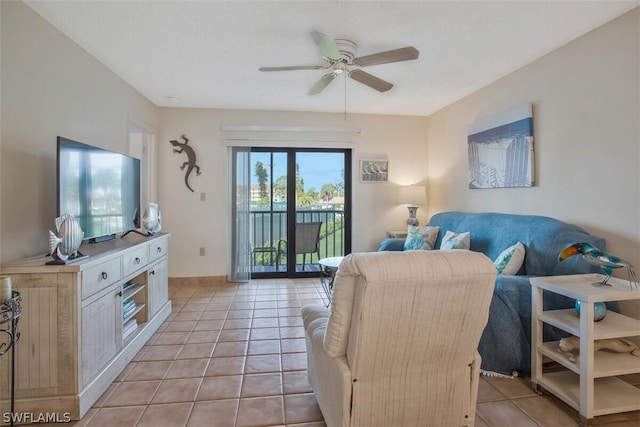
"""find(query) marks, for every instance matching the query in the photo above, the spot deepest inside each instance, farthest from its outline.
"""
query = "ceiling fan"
(339, 55)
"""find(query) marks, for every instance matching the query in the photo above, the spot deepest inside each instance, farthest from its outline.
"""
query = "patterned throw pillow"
(453, 240)
(421, 238)
(510, 260)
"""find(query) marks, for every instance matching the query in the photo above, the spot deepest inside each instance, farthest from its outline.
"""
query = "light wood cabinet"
(76, 333)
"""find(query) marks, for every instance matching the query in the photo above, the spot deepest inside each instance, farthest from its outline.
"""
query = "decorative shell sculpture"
(152, 219)
(65, 242)
(618, 345)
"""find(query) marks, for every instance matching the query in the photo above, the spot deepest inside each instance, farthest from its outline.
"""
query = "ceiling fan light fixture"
(340, 67)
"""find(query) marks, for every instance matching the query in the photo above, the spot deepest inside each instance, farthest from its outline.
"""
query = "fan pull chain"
(345, 96)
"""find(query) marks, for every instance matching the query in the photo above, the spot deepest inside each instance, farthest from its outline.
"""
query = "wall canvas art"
(501, 150)
(374, 170)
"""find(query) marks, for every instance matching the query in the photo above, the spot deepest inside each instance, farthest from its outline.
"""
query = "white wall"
(194, 224)
(586, 112)
(50, 87)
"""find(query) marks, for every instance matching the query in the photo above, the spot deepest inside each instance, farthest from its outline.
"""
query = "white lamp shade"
(412, 195)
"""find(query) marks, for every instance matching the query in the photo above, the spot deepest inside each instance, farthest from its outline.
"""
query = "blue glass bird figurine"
(595, 256)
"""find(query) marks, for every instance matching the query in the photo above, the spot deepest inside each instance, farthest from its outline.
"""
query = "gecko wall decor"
(190, 164)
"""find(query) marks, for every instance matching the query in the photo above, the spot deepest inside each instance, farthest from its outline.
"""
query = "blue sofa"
(505, 345)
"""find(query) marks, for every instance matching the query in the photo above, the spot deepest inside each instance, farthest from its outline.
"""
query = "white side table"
(590, 386)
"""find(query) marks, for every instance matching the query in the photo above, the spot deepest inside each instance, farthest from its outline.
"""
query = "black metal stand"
(147, 234)
(9, 315)
(80, 256)
(327, 276)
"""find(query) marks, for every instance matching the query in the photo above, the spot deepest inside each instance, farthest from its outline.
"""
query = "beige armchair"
(397, 347)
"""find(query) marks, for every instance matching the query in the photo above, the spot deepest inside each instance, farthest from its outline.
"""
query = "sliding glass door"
(299, 209)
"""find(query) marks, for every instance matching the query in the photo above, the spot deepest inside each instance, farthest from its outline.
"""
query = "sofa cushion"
(510, 260)
(421, 238)
(453, 240)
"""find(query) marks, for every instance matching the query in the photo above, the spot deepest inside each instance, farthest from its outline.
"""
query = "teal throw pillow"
(510, 260)
(421, 238)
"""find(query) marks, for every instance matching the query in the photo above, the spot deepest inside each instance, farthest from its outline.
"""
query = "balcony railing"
(268, 227)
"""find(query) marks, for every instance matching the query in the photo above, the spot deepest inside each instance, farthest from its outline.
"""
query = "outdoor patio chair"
(268, 252)
(307, 241)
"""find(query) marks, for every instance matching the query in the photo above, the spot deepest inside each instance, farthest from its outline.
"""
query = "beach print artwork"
(501, 150)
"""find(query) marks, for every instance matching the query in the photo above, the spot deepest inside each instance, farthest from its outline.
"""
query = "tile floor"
(234, 355)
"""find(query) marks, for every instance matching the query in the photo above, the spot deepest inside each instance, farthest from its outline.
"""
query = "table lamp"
(412, 195)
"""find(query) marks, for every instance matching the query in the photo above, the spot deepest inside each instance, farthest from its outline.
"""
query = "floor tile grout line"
(280, 325)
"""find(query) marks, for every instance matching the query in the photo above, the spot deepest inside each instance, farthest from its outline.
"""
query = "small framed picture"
(374, 170)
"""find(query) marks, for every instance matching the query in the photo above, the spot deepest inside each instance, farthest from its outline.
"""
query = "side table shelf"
(9, 315)
(591, 385)
(397, 233)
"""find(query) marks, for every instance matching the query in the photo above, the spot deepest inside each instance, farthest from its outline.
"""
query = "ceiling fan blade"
(294, 67)
(322, 83)
(327, 45)
(396, 55)
(371, 81)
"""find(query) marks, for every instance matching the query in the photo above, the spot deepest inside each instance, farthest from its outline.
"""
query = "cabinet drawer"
(157, 249)
(100, 276)
(135, 260)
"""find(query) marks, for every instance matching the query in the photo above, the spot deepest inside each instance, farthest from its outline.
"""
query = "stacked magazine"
(128, 307)
(129, 327)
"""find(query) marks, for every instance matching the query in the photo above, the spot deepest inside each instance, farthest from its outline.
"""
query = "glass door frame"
(291, 211)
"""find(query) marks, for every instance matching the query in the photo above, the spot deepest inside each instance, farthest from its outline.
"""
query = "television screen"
(99, 187)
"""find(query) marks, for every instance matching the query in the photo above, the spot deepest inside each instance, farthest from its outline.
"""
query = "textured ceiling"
(207, 53)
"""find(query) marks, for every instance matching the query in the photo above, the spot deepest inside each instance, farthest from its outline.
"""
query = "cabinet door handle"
(119, 294)
(137, 260)
(104, 275)
(152, 272)
(159, 250)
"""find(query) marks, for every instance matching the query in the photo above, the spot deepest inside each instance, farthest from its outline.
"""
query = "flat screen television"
(99, 187)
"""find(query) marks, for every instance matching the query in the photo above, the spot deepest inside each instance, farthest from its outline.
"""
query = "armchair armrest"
(330, 377)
